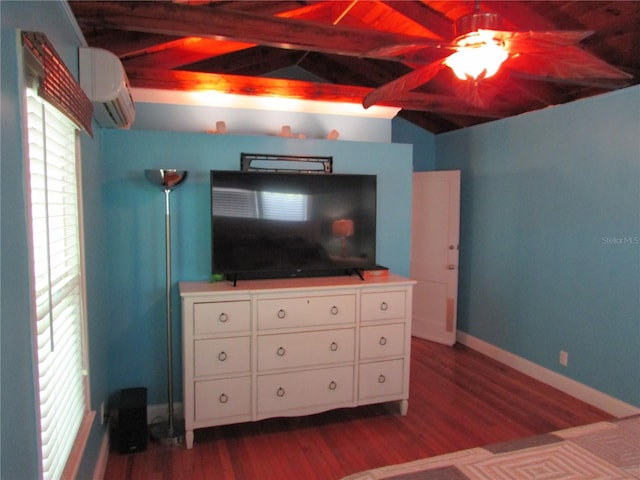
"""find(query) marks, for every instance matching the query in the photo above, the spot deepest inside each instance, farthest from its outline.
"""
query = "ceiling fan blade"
(401, 49)
(539, 41)
(489, 94)
(403, 84)
(447, 104)
(566, 63)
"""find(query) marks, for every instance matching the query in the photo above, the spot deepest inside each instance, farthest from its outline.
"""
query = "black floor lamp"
(167, 180)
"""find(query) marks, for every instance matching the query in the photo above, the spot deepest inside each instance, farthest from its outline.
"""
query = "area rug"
(603, 450)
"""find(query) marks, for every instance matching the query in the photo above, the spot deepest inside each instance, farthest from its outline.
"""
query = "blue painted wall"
(18, 434)
(19, 422)
(134, 219)
(550, 247)
(424, 143)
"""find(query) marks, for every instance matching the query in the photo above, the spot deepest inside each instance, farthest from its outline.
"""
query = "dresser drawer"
(306, 311)
(303, 349)
(297, 390)
(383, 305)
(216, 399)
(222, 356)
(380, 379)
(380, 341)
(221, 317)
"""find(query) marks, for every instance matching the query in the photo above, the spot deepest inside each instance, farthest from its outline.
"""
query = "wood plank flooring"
(459, 399)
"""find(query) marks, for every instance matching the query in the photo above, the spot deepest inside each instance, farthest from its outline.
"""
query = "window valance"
(55, 83)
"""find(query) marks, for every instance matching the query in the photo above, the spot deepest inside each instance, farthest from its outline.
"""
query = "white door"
(435, 234)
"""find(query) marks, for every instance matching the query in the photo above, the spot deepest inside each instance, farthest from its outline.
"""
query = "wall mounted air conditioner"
(103, 79)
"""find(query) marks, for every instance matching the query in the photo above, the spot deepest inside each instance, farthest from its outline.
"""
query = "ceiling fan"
(481, 48)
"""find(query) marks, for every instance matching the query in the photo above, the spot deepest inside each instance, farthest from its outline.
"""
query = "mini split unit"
(103, 79)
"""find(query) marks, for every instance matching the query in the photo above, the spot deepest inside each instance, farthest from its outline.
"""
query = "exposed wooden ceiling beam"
(243, 85)
(519, 16)
(127, 44)
(259, 86)
(284, 8)
(254, 61)
(352, 71)
(184, 20)
(185, 51)
(425, 16)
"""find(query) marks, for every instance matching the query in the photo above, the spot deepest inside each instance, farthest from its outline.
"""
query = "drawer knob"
(383, 341)
(280, 392)
(223, 398)
(384, 306)
(222, 356)
(281, 351)
(334, 346)
(382, 379)
(334, 310)
(282, 313)
(333, 385)
(223, 318)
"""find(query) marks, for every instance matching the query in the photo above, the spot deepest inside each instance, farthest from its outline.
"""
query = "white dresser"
(288, 347)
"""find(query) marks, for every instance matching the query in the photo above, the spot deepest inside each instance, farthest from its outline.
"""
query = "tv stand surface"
(294, 346)
(233, 278)
(359, 272)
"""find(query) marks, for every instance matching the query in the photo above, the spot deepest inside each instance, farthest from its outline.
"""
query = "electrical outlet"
(564, 358)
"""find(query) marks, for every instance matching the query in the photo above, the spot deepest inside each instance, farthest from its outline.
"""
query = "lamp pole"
(167, 235)
(167, 180)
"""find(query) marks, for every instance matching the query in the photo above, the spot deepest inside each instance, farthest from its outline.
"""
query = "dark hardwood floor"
(459, 399)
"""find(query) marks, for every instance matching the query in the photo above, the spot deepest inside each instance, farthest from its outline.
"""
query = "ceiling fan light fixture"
(477, 21)
(478, 55)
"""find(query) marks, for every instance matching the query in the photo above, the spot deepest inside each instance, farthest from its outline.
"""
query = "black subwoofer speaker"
(131, 427)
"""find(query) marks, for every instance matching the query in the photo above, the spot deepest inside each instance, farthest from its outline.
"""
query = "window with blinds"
(236, 202)
(288, 207)
(57, 282)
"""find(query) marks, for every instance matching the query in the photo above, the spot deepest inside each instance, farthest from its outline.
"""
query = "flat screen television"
(275, 224)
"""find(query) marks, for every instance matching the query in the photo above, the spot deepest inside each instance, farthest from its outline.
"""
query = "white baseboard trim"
(576, 389)
(103, 456)
(154, 412)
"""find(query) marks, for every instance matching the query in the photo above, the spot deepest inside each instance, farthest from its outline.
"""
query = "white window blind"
(57, 281)
(288, 207)
(235, 202)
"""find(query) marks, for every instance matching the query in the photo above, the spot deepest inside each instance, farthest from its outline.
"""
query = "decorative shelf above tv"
(260, 162)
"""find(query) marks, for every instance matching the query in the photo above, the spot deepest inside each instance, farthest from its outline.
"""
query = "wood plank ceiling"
(345, 49)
